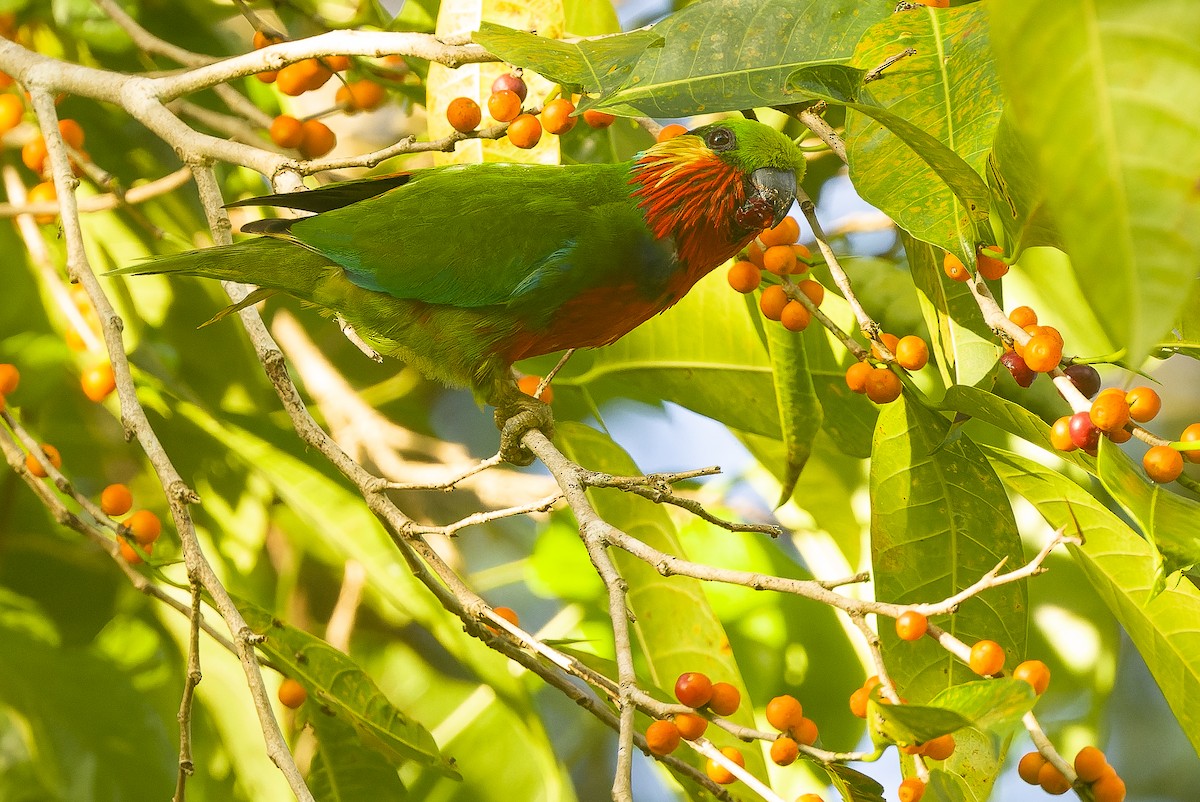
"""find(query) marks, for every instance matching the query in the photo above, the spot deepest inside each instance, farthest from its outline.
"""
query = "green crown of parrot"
(463, 270)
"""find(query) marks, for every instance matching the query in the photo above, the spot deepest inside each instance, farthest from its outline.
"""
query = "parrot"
(462, 270)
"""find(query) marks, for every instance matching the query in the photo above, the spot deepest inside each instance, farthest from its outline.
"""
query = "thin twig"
(190, 681)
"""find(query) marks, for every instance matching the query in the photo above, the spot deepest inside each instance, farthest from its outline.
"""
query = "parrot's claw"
(517, 417)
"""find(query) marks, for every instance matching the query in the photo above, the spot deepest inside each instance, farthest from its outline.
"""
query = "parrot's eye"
(719, 139)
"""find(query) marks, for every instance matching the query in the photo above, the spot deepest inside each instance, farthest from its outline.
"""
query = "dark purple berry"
(1083, 432)
(1085, 378)
(513, 83)
(1021, 373)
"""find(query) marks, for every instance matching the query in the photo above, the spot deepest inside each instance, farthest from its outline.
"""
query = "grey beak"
(777, 187)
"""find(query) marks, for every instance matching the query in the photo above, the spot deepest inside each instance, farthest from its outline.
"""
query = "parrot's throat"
(688, 193)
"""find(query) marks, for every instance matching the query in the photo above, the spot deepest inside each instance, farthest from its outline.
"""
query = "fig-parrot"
(462, 270)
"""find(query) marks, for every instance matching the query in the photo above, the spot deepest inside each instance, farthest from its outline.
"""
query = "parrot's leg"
(516, 414)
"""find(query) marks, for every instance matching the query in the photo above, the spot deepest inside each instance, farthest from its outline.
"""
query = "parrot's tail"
(272, 264)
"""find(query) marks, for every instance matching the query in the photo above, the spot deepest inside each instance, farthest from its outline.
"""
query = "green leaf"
(799, 410)
(847, 417)
(342, 771)
(943, 786)
(939, 521)
(590, 17)
(338, 684)
(1168, 519)
(1123, 569)
(1018, 197)
(967, 349)
(674, 624)
(726, 55)
(989, 704)
(596, 66)
(943, 103)
(854, 786)
(912, 724)
(1086, 78)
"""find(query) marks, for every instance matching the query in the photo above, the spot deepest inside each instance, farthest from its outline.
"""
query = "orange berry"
(690, 725)
(987, 658)
(744, 276)
(130, 554)
(693, 689)
(261, 40)
(772, 301)
(598, 119)
(1042, 353)
(71, 132)
(320, 74)
(858, 702)
(1052, 780)
(754, 253)
(911, 790)
(786, 233)
(795, 316)
(35, 467)
(556, 116)
(911, 352)
(1190, 435)
(883, 386)
(784, 751)
(911, 625)
(784, 712)
(338, 64)
(725, 699)
(939, 748)
(12, 111)
(954, 268)
(286, 131)
(1090, 764)
(291, 693)
(814, 291)
(933, 3)
(1109, 788)
(316, 139)
(296, 79)
(1023, 316)
(1119, 435)
(856, 376)
(525, 131)
(990, 267)
(717, 771)
(43, 193)
(1030, 766)
(1144, 404)
(803, 255)
(504, 105)
(1109, 412)
(268, 77)
(144, 526)
(508, 614)
(889, 340)
(116, 500)
(662, 737)
(1163, 464)
(1036, 673)
(529, 384)
(779, 259)
(463, 114)
(361, 95)
(805, 732)
(670, 132)
(98, 381)
(1060, 434)
(34, 154)
(872, 682)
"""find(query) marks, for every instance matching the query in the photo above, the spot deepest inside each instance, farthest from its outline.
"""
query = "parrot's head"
(714, 188)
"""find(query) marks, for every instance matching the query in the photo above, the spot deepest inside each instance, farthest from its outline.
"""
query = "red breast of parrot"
(463, 270)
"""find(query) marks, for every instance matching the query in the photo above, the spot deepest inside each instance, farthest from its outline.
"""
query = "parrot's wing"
(485, 235)
(331, 196)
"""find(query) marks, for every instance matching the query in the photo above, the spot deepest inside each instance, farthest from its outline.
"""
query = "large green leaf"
(1123, 568)
(799, 410)
(948, 91)
(674, 625)
(1107, 96)
(1018, 196)
(1169, 520)
(343, 771)
(338, 684)
(726, 55)
(939, 521)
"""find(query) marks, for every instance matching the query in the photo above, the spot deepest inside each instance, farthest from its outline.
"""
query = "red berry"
(1085, 378)
(1084, 433)
(693, 689)
(1015, 364)
(511, 82)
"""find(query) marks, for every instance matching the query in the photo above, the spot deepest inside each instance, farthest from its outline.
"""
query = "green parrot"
(461, 271)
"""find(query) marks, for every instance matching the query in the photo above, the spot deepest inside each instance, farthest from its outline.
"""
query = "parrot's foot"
(518, 415)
